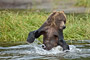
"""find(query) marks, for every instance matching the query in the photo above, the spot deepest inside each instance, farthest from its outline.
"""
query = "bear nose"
(64, 27)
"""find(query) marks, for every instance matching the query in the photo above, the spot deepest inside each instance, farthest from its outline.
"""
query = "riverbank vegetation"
(15, 25)
(83, 3)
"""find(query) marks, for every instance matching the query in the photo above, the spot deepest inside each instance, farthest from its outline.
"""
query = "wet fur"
(52, 31)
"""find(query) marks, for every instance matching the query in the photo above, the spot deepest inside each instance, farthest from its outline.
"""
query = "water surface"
(79, 50)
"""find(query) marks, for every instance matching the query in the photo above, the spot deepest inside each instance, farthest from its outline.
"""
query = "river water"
(79, 50)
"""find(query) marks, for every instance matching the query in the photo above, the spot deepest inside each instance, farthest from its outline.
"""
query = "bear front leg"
(32, 35)
(61, 41)
(35, 34)
(63, 44)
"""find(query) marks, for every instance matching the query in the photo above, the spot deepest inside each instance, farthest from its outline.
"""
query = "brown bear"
(52, 31)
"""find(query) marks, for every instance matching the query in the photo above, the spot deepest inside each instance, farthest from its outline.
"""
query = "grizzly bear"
(52, 31)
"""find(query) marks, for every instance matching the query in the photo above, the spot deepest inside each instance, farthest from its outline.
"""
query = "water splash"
(35, 50)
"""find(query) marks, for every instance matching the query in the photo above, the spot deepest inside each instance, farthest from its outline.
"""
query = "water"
(79, 50)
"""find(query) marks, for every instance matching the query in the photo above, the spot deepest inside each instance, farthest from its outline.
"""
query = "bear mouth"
(47, 48)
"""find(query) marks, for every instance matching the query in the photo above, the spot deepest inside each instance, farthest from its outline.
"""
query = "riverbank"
(16, 24)
(69, 6)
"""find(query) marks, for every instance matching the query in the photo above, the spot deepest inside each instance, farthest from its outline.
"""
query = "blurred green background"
(18, 18)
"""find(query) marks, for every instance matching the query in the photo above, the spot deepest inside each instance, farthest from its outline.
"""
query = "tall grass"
(77, 27)
(85, 3)
(15, 25)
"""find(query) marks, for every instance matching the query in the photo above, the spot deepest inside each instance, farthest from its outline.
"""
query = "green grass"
(85, 3)
(78, 27)
(15, 25)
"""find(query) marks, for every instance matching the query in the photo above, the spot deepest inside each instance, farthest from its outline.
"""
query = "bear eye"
(64, 21)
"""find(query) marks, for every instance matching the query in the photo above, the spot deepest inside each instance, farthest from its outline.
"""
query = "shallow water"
(79, 50)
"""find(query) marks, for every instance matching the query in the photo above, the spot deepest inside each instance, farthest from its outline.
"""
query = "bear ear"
(61, 11)
(52, 14)
(54, 11)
